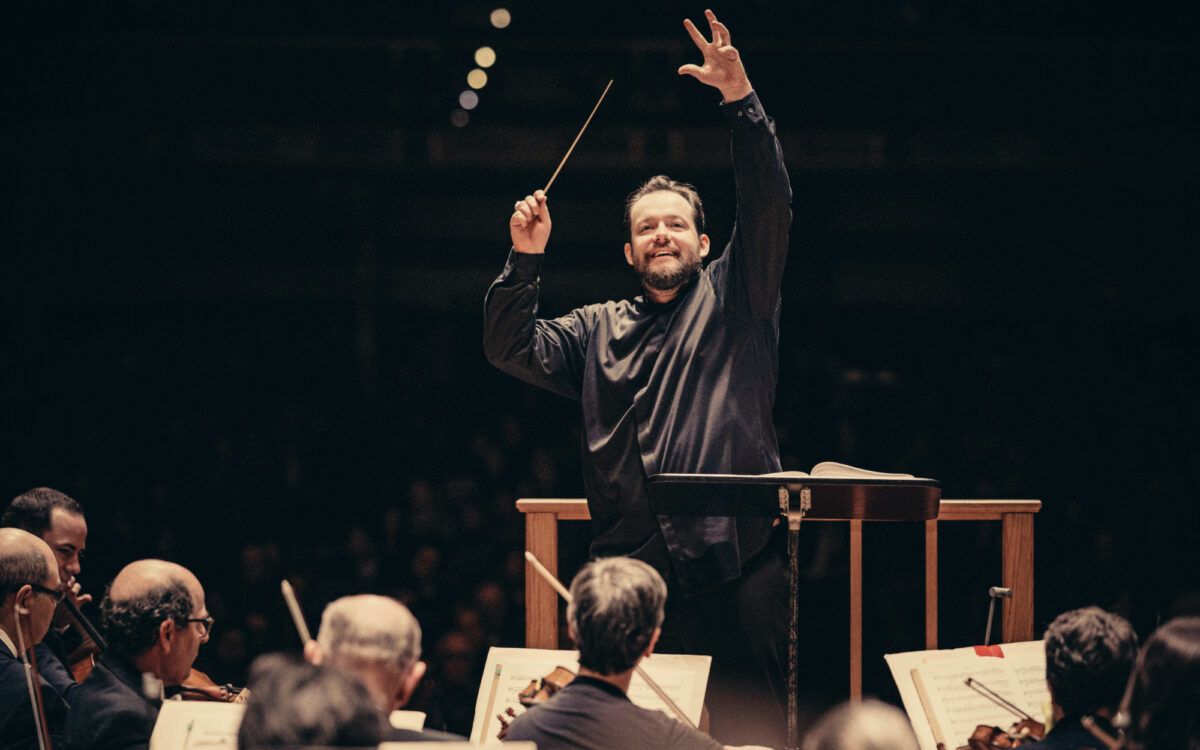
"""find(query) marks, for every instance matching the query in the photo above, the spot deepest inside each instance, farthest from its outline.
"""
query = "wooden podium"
(542, 517)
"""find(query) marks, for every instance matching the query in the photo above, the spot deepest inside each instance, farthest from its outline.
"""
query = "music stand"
(796, 498)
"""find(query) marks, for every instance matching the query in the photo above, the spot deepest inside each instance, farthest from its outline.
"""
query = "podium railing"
(542, 517)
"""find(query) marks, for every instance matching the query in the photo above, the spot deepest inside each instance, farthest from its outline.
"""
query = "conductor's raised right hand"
(530, 223)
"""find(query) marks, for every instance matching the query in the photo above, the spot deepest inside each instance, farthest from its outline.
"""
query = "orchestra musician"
(154, 618)
(377, 640)
(296, 704)
(615, 618)
(1089, 655)
(865, 725)
(31, 589)
(680, 379)
(59, 520)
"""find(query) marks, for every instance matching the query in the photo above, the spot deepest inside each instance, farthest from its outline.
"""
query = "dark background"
(246, 254)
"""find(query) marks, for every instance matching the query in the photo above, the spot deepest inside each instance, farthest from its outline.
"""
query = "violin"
(198, 686)
(1026, 729)
(988, 738)
(541, 691)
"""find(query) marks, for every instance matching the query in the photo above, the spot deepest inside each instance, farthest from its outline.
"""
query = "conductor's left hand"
(722, 68)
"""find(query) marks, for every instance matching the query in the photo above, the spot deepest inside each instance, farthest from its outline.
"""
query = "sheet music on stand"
(1019, 675)
(194, 725)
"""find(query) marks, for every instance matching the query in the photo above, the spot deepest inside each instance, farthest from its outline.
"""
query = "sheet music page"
(193, 725)
(1023, 663)
(958, 708)
(684, 677)
(1028, 662)
(509, 670)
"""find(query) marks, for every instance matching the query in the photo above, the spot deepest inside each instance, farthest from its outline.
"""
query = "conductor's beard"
(666, 274)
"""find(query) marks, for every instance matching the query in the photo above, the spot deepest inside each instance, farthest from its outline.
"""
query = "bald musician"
(59, 520)
(680, 379)
(30, 586)
(378, 641)
(154, 619)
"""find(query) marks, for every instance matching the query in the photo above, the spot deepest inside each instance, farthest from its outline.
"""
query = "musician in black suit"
(59, 520)
(30, 586)
(154, 620)
(378, 641)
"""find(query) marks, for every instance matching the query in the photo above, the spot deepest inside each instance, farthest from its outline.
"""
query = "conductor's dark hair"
(19, 567)
(1164, 702)
(131, 625)
(662, 182)
(616, 605)
(1089, 655)
(31, 510)
(296, 704)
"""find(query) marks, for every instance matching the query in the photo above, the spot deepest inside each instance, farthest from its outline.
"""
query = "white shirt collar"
(9, 642)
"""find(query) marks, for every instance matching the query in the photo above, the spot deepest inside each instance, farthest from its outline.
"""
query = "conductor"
(679, 379)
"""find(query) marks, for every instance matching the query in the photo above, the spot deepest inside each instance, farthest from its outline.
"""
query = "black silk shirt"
(687, 386)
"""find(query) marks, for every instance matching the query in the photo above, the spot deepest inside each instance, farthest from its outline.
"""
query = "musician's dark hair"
(131, 625)
(31, 509)
(1164, 701)
(662, 182)
(296, 704)
(616, 604)
(1089, 655)
(19, 567)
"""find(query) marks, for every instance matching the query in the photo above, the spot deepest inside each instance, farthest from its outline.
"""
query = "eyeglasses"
(55, 594)
(206, 623)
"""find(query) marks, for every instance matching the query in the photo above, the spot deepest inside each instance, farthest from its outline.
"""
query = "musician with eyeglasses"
(154, 619)
(31, 589)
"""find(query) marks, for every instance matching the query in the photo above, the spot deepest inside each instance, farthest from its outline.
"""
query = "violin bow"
(293, 606)
(996, 698)
(566, 595)
(29, 659)
(577, 137)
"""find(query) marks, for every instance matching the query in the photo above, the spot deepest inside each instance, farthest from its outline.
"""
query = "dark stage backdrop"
(246, 250)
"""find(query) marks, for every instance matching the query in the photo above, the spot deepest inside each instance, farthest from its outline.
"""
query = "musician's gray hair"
(870, 725)
(616, 605)
(361, 631)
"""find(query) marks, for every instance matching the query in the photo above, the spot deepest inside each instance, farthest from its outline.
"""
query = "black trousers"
(743, 625)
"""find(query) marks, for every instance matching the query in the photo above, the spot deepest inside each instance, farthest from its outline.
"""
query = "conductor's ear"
(629, 254)
(704, 245)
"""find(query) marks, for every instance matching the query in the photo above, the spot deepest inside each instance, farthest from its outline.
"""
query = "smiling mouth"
(663, 254)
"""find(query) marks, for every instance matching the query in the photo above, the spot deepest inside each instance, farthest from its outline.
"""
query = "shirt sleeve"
(545, 353)
(749, 273)
(682, 737)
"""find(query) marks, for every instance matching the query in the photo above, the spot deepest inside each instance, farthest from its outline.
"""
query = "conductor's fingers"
(720, 32)
(532, 204)
(690, 70)
(729, 53)
(517, 220)
(695, 34)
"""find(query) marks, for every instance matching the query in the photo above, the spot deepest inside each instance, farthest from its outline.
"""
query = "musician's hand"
(529, 224)
(722, 68)
(77, 591)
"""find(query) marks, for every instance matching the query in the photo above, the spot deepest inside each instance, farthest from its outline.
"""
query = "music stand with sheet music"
(796, 498)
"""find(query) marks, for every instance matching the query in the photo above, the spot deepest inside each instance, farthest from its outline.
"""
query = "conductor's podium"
(542, 517)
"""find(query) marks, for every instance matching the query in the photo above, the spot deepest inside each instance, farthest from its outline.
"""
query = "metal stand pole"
(793, 520)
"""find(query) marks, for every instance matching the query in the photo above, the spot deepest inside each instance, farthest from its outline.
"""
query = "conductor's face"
(665, 249)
